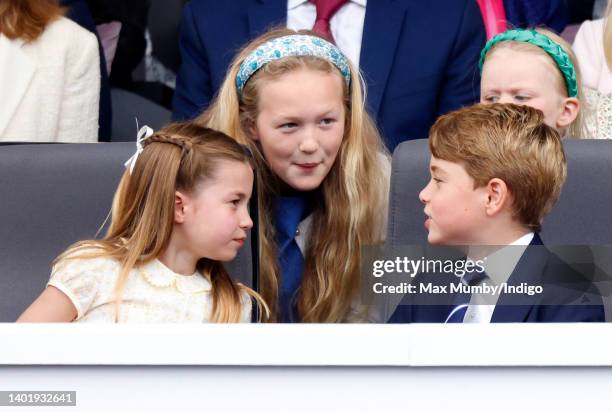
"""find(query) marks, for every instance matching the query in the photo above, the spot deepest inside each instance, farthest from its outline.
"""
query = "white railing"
(308, 345)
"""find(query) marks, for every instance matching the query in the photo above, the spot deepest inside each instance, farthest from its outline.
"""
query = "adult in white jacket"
(49, 75)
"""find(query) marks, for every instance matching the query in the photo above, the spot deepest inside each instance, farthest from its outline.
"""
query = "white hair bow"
(143, 134)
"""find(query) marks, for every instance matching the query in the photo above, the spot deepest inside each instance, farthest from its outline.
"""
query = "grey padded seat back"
(409, 174)
(127, 107)
(581, 216)
(52, 196)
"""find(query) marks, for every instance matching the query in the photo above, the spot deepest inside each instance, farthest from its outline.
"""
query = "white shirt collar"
(500, 264)
(292, 4)
(523, 240)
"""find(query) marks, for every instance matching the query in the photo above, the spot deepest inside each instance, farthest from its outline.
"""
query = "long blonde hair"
(576, 129)
(178, 157)
(353, 196)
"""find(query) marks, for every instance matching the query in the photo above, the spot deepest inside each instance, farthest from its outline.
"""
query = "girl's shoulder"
(82, 273)
(86, 259)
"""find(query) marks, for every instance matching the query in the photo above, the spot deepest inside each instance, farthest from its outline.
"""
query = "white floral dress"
(153, 293)
(598, 118)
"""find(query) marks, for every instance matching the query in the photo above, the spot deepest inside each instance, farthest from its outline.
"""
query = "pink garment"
(494, 16)
(109, 37)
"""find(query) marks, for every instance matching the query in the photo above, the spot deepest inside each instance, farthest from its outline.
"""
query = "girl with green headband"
(534, 67)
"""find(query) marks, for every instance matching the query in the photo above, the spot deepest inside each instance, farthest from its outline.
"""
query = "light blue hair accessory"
(554, 50)
(293, 45)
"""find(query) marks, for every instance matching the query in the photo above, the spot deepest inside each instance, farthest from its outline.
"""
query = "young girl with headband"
(322, 170)
(534, 67)
(180, 209)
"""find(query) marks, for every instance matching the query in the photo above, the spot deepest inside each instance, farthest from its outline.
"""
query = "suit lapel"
(16, 72)
(529, 270)
(265, 14)
(383, 23)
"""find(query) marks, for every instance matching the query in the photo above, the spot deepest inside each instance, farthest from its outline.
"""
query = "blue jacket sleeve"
(193, 85)
(462, 80)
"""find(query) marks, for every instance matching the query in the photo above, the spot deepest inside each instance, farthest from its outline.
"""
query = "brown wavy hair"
(178, 157)
(352, 205)
(27, 19)
(509, 142)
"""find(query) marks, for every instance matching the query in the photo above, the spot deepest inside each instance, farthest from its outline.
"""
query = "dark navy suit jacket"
(419, 58)
(568, 296)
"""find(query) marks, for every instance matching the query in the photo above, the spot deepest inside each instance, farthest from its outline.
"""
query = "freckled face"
(300, 125)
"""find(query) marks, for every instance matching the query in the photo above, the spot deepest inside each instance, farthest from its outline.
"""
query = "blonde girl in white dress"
(179, 211)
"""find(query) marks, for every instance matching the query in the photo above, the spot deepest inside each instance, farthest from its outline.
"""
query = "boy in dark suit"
(496, 171)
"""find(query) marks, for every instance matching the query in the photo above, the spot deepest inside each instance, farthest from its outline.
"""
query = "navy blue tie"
(289, 211)
(462, 300)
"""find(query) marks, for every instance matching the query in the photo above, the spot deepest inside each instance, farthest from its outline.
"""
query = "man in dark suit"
(419, 58)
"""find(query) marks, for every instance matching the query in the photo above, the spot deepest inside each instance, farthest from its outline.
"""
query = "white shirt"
(346, 25)
(498, 266)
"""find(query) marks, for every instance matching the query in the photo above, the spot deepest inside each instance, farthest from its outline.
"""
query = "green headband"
(554, 50)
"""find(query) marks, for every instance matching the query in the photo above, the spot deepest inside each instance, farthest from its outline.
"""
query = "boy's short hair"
(509, 142)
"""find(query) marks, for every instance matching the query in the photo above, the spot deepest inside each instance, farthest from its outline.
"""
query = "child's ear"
(179, 207)
(569, 112)
(251, 128)
(498, 196)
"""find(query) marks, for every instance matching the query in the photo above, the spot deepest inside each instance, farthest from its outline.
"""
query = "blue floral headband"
(293, 45)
